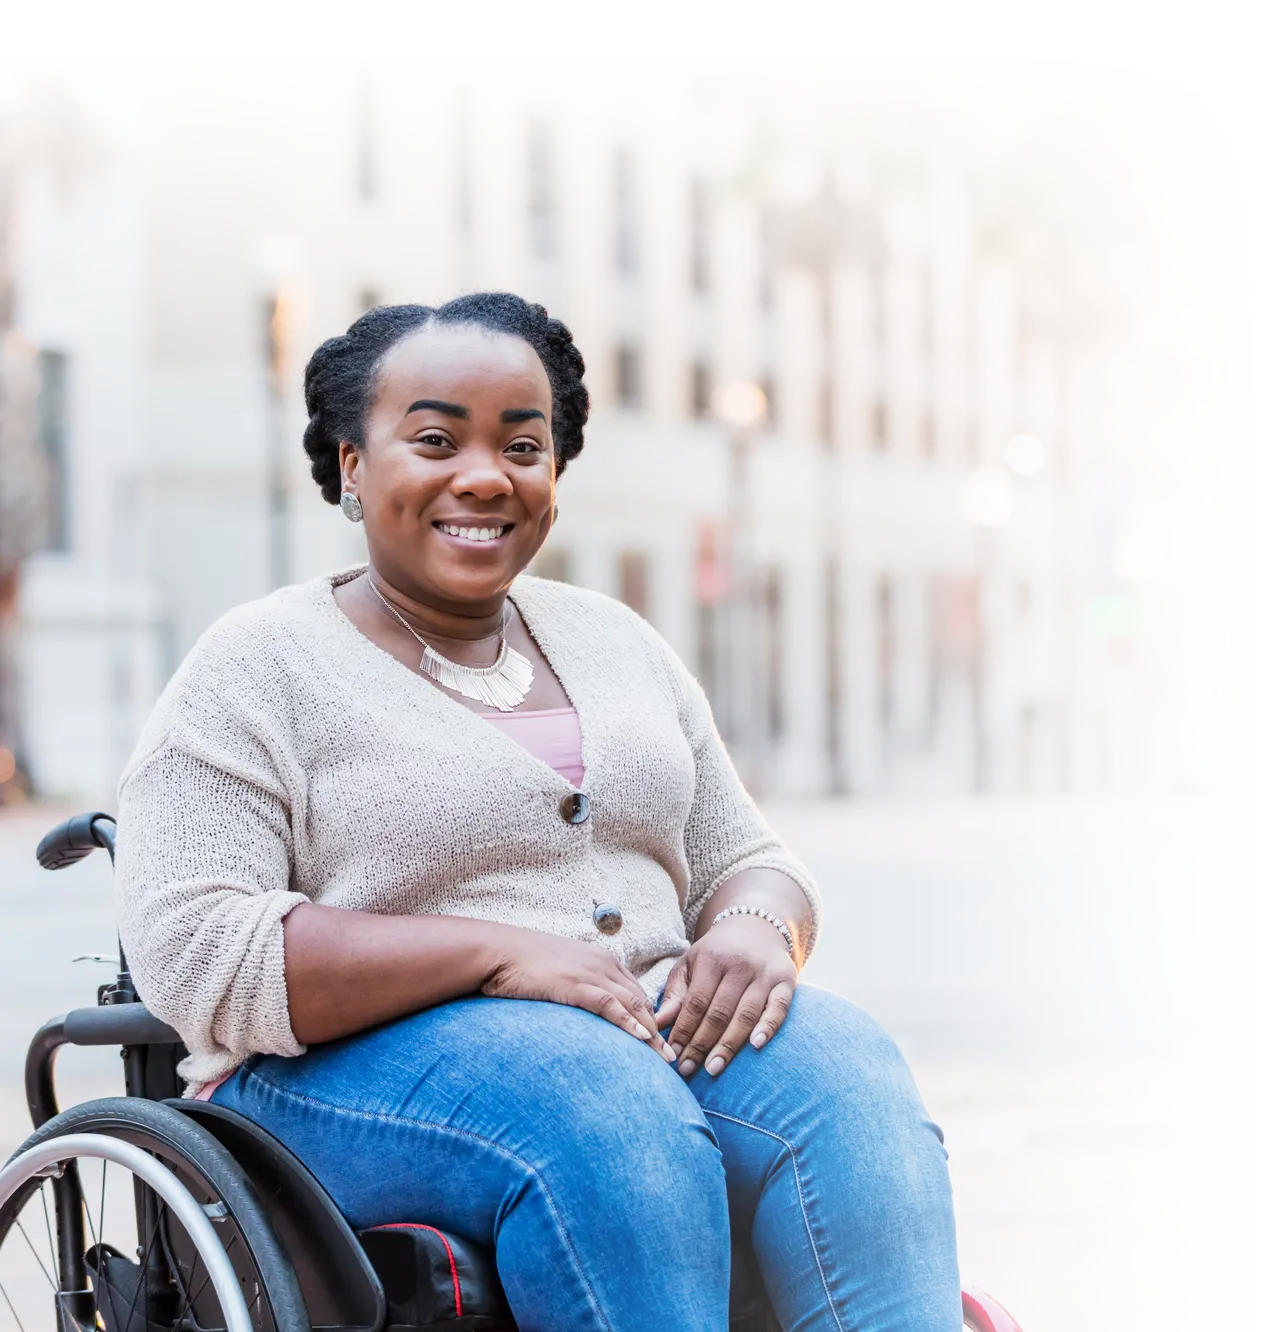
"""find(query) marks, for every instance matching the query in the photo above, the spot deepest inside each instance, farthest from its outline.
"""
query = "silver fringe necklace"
(503, 685)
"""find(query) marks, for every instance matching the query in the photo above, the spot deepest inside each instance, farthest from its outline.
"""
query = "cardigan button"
(608, 918)
(575, 807)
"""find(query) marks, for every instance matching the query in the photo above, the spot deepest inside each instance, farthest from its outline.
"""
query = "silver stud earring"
(351, 507)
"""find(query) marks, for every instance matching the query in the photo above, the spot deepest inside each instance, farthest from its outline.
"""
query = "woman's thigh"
(837, 1173)
(538, 1129)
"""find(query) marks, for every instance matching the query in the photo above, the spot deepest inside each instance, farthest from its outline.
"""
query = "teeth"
(473, 533)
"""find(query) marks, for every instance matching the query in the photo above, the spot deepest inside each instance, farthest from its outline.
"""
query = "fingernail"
(643, 1033)
(687, 1067)
(715, 1066)
(759, 1040)
(678, 1049)
(668, 1054)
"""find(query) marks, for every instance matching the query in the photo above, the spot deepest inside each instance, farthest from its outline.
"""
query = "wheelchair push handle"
(76, 838)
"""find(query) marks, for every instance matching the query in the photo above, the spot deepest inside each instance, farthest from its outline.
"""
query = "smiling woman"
(473, 836)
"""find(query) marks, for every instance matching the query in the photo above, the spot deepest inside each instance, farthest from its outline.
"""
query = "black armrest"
(76, 838)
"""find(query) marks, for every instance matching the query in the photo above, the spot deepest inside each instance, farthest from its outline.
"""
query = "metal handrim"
(188, 1212)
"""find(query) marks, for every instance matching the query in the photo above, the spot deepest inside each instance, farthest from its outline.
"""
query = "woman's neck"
(435, 620)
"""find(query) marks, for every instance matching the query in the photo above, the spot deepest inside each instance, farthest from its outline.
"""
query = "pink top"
(550, 734)
(553, 735)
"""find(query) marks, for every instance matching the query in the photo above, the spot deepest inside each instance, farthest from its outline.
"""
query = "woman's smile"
(473, 532)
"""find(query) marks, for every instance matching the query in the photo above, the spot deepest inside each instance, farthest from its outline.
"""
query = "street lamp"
(741, 407)
(278, 260)
(988, 501)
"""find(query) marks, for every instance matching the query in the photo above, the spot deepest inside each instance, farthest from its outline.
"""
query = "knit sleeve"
(725, 832)
(202, 879)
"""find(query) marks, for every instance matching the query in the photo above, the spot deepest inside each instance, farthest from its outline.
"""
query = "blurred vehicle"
(1220, 751)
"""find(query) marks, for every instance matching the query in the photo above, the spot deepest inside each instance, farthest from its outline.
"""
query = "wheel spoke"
(188, 1304)
(36, 1256)
(97, 1241)
(48, 1227)
(208, 1277)
(144, 1283)
(12, 1310)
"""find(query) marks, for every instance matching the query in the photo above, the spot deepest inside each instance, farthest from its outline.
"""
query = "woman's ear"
(350, 459)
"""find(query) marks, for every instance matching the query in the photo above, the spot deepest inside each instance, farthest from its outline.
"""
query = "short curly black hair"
(339, 380)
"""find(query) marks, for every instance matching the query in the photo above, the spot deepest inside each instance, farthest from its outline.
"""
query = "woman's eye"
(524, 446)
(434, 440)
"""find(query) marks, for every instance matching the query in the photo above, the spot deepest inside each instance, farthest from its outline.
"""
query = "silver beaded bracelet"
(762, 915)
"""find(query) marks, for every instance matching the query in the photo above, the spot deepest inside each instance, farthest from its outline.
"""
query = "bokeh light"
(1137, 556)
(739, 405)
(1025, 455)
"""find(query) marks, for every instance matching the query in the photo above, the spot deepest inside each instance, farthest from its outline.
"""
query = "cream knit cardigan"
(291, 760)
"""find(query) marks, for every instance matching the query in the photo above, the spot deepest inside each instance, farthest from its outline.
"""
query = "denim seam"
(802, 1199)
(459, 1133)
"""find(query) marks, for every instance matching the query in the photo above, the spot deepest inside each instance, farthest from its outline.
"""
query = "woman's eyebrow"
(436, 405)
(514, 414)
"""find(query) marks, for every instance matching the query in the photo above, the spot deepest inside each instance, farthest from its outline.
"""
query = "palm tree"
(44, 127)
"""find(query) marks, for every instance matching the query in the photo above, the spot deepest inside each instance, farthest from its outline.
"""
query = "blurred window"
(833, 673)
(54, 429)
(626, 213)
(368, 124)
(773, 635)
(767, 263)
(769, 392)
(928, 434)
(700, 389)
(884, 617)
(553, 563)
(629, 387)
(542, 193)
(879, 426)
(826, 411)
(463, 157)
(698, 235)
(632, 580)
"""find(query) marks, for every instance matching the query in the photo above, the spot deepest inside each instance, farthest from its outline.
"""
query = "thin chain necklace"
(503, 685)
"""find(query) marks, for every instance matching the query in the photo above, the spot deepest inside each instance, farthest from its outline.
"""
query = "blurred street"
(1068, 979)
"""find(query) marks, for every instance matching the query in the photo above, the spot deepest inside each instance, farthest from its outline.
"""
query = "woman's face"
(457, 474)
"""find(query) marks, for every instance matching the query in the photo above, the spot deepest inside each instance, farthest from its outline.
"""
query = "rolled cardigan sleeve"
(725, 833)
(203, 880)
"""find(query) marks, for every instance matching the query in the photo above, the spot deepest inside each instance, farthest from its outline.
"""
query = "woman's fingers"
(774, 1012)
(642, 1010)
(716, 1013)
(748, 1012)
(694, 1002)
(672, 996)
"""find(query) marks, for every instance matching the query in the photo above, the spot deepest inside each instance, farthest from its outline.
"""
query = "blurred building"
(806, 374)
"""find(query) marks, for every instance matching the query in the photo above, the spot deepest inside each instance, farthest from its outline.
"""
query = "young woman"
(444, 876)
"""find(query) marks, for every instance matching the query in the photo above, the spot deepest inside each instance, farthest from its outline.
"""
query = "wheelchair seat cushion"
(433, 1279)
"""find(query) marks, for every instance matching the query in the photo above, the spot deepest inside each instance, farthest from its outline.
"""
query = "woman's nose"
(484, 480)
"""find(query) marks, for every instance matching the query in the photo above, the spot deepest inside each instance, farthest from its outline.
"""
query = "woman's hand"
(734, 984)
(582, 975)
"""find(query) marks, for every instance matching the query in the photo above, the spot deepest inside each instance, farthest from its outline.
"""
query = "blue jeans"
(610, 1188)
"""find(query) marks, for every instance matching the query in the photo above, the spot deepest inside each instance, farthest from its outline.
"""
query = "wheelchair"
(152, 1213)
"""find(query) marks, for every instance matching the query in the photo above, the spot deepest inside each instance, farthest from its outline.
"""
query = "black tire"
(210, 1173)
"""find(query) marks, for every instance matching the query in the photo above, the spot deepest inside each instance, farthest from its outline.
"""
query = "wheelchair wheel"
(122, 1215)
